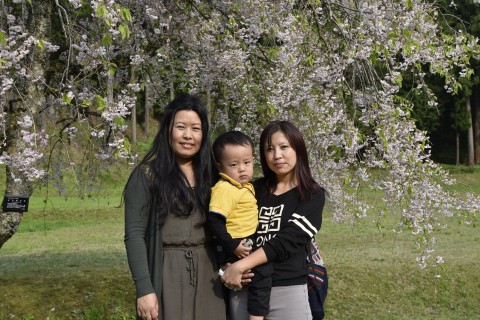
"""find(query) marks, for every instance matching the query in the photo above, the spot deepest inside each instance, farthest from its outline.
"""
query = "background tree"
(59, 109)
(335, 68)
(456, 138)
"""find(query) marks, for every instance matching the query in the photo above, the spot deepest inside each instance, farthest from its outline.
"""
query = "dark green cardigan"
(143, 236)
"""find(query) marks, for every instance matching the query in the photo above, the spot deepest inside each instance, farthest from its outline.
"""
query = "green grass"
(67, 261)
(467, 178)
(373, 275)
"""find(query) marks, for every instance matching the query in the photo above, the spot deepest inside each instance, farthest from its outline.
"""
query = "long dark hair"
(169, 189)
(303, 175)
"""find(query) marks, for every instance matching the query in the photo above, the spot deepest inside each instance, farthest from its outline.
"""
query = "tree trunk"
(39, 24)
(476, 122)
(146, 105)
(134, 111)
(134, 125)
(172, 90)
(457, 148)
(471, 159)
(209, 105)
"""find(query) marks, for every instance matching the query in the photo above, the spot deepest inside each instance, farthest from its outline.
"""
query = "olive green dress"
(191, 287)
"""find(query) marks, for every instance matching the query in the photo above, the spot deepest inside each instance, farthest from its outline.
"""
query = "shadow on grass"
(83, 285)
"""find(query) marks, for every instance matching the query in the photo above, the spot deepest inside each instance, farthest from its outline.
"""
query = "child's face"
(237, 162)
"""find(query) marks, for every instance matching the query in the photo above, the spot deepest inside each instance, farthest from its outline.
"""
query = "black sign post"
(15, 203)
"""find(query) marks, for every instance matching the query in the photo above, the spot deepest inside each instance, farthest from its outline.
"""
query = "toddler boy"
(233, 212)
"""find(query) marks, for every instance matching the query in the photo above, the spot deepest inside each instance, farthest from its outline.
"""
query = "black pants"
(259, 290)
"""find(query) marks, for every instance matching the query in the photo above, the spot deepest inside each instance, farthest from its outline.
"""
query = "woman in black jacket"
(290, 204)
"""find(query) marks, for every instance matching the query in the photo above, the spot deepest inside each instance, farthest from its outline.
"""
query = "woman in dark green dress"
(170, 253)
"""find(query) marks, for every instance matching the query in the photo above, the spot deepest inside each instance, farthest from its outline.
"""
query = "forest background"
(385, 92)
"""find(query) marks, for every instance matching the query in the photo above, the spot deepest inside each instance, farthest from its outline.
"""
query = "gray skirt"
(286, 303)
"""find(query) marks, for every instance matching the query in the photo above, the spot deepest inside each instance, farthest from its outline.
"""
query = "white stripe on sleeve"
(304, 224)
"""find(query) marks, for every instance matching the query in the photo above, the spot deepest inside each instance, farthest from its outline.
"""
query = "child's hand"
(242, 251)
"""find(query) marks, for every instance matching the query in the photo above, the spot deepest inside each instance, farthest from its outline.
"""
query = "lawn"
(67, 261)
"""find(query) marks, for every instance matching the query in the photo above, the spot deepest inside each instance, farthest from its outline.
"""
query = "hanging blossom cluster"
(26, 161)
(114, 115)
(335, 69)
(15, 47)
(76, 3)
(97, 52)
(90, 55)
(77, 98)
(27, 156)
(110, 12)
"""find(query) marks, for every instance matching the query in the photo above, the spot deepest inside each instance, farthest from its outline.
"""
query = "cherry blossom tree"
(334, 67)
(62, 102)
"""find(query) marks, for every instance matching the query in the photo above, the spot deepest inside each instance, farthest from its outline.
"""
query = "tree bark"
(9, 221)
(134, 125)
(471, 159)
(172, 90)
(39, 25)
(476, 122)
(134, 111)
(209, 105)
(457, 148)
(146, 105)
